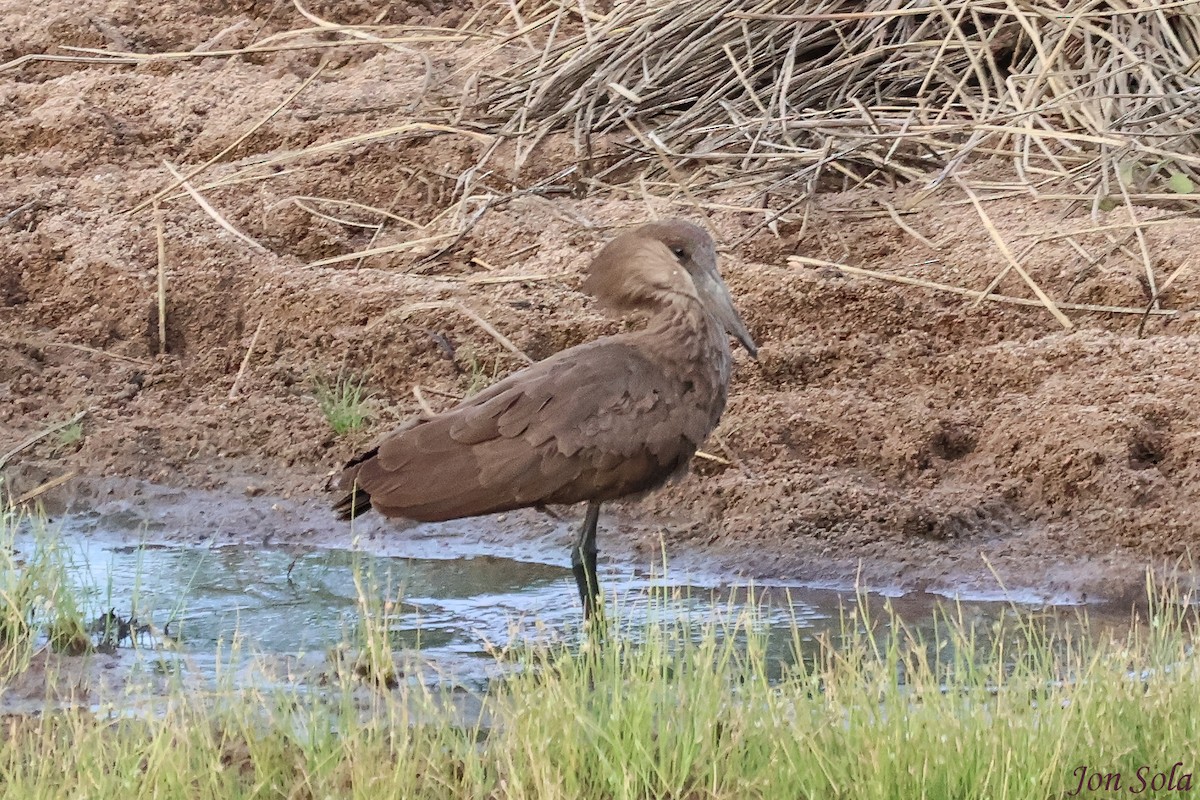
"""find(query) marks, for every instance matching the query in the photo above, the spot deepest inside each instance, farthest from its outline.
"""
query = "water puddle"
(449, 603)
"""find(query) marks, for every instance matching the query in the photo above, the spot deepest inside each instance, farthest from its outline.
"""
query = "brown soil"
(890, 426)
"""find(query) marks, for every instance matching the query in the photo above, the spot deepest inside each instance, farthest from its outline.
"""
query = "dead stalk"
(972, 293)
(83, 348)
(421, 401)
(37, 437)
(162, 279)
(237, 381)
(181, 179)
(212, 212)
(41, 489)
(486, 326)
(1002, 246)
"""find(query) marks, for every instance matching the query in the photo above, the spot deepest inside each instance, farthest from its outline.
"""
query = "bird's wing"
(597, 422)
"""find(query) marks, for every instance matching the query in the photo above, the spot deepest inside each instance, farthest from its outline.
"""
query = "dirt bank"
(893, 426)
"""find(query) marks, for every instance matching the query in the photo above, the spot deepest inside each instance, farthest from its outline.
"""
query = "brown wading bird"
(612, 418)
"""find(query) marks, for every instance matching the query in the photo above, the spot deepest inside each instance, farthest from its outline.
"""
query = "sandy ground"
(891, 429)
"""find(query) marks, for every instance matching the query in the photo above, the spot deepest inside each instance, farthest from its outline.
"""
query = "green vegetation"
(37, 600)
(689, 712)
(677, 707)
(70, 436)
(479, 375)
(343, 402)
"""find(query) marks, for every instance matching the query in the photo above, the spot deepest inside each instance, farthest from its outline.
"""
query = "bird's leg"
(583, 561)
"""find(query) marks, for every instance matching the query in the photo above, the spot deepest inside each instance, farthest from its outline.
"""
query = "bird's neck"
(685, 331)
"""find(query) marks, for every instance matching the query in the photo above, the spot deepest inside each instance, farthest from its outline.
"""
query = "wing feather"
(594, 422)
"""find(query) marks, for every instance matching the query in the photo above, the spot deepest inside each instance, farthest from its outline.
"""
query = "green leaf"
(1181, 184)
(1125, 173)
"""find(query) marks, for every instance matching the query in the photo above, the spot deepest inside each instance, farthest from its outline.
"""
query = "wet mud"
(891, 434)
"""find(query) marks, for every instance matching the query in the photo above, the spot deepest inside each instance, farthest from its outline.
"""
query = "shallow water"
(449, 603)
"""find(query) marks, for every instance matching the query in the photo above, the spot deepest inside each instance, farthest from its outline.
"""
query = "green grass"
(70, 436)
(688, 713)
(479, 375)
(37, 599)
(343, 403)
(690, 707)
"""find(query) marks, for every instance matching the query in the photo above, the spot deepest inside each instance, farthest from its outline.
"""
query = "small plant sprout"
(343, 402)
(70, 436)
(479, 376)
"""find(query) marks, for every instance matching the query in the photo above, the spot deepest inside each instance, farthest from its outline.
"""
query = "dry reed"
(756, 106)
(42, 434)
(792, 94)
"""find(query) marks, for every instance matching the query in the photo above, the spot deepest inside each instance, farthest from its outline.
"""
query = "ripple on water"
(284, 602)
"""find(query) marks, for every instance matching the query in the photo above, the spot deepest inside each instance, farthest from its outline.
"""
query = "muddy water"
(455, 609)
(450, 601)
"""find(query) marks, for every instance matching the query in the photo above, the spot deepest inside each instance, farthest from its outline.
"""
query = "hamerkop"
(612, 418)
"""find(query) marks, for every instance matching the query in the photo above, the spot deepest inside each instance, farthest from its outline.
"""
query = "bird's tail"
(358, 501)
(354, 504)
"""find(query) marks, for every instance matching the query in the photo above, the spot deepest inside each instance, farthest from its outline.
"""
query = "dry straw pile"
(1088, 98)
(755, 106)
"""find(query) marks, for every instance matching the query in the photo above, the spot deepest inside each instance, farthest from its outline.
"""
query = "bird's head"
(661, 263)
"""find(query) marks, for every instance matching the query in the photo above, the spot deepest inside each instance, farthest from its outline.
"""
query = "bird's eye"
(679, 252)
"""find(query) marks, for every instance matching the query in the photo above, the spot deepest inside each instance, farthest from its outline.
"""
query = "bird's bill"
(737, 329)
(722, 308)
